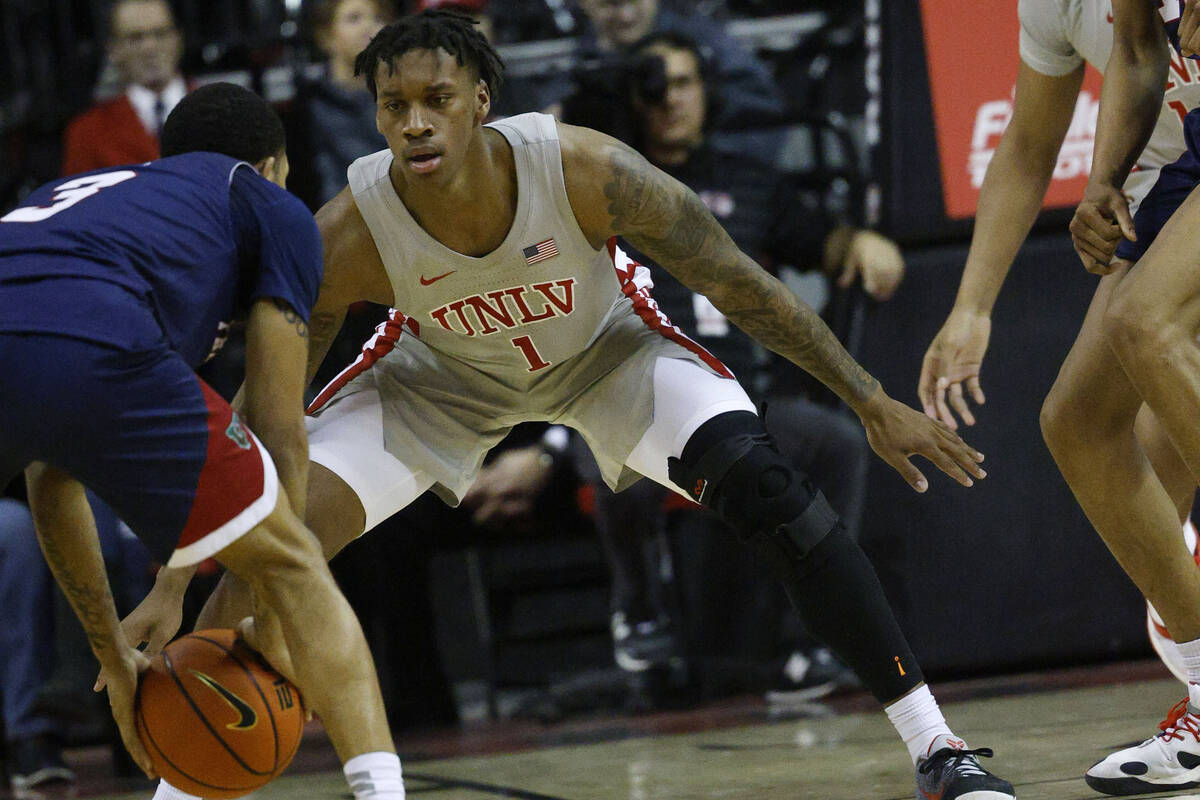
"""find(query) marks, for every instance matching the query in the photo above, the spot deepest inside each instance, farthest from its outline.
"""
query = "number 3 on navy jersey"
(68, 194)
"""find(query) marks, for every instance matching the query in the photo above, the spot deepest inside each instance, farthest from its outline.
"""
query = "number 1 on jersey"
(525, 345)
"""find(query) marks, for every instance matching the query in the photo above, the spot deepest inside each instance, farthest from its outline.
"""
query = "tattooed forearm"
(669, 223)
(91, 600)
(67, 534)
(292, 317)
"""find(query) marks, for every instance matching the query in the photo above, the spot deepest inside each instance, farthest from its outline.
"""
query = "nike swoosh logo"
(426, 281)
(247, 719)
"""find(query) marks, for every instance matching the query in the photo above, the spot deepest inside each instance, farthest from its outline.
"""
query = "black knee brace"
(732, 466)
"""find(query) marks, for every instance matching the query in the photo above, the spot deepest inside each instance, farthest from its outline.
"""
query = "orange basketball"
(215, 718)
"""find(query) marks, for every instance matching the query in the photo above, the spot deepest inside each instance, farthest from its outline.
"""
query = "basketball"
(216, 720)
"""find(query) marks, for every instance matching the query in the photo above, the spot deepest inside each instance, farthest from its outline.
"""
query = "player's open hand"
(952, 364)
(897, 432)
(1100, 221)
(1189, 29)
(123, 674)
(157, 618)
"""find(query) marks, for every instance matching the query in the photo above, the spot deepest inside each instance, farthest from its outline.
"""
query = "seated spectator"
(145, 47)
(333, 120)
(611, 29)
(824, 443)
(45, 685)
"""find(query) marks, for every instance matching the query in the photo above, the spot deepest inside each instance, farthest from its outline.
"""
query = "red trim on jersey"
(653, 317)
(387, 333)
(232, 476)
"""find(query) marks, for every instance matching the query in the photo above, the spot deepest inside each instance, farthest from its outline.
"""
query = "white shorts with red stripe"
(389, 455)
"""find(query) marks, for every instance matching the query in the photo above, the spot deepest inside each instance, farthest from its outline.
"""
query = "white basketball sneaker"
(1165, 762)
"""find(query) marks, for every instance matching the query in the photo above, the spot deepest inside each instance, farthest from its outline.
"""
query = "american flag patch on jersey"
(540, 251)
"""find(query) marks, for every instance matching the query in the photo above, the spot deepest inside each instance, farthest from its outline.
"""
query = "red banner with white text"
(972, 56)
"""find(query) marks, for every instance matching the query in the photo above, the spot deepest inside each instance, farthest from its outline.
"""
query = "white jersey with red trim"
(538, 299)
(1059, 35)
(544, 328)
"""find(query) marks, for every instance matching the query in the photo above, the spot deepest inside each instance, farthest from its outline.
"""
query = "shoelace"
(960, 763)
(1179, 719)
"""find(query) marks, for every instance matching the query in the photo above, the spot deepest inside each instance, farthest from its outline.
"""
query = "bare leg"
(335, 516)
(1152, 323)
(282, 563)
(1088, 423)
(1168, 464)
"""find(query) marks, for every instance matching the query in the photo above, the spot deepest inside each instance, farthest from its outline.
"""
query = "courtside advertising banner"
(972, 55)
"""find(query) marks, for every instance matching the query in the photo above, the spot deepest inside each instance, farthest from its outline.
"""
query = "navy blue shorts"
(141, 430)
(1175, 182)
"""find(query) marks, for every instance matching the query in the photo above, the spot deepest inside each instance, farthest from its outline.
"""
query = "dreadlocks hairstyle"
(223, 118)
(432, 30)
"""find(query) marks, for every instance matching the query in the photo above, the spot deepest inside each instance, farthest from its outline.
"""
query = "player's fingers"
(101, 682)
(912, 476)
(946, 463)
(963, 454)
(976, 390)
(1125, 220)
(943, 410)
(959, 404)
(1095, 261)
(925, 391)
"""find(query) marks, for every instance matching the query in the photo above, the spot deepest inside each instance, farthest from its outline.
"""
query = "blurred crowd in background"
(543, 594)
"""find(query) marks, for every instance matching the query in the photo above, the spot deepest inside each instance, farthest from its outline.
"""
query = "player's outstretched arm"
(1009, 202)
(66, 531)
(1134, 80)
(614, 191)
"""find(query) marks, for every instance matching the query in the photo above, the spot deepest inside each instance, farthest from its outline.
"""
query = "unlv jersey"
(546, 327)
(196, 237)
(537, 300)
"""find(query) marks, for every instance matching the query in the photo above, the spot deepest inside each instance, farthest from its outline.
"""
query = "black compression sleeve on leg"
(838, 597)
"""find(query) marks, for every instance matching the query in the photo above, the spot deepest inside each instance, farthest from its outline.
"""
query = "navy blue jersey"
(197, 237)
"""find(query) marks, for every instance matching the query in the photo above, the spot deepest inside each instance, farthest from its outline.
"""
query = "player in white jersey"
(1058, 37)
(1136, 347)
(498, 244)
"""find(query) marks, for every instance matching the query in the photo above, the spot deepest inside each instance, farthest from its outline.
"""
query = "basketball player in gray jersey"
(497, 245)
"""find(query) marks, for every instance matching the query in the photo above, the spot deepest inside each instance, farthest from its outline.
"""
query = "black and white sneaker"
(955, 774)
(1165, 762)
(639, 646)
(37, 761)
(809, 675)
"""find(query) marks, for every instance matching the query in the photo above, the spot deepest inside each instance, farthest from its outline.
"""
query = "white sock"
(375, 776)
(166, 791)
(1190, 653)
(919, 721)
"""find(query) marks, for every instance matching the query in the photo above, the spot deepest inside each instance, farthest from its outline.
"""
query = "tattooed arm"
(67, 533)
(614, 191)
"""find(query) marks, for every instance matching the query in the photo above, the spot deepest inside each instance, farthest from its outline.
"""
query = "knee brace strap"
(701, 479)
(745, 480)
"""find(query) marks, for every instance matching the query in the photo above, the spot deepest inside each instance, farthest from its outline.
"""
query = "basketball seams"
(150, 735)
(257, 688)
(204, 719)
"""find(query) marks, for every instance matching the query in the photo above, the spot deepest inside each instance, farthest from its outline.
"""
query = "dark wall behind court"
(1007, 574)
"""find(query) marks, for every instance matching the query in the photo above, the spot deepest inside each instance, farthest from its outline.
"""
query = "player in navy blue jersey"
(114, 286)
